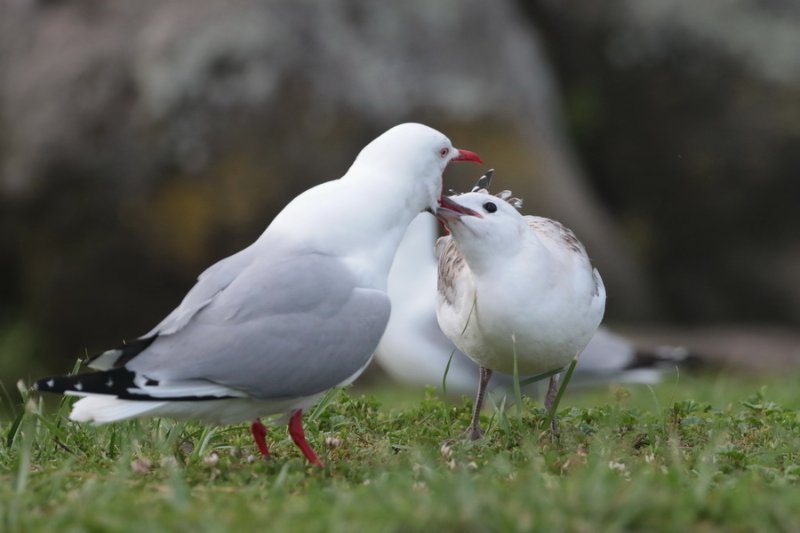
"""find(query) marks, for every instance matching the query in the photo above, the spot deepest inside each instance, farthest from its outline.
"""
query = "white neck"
(485, 256)
(359, 218)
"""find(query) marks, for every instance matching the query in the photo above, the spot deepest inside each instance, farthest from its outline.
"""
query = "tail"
(665, 357)
(101, 391)
(120, 394)
(610, 357)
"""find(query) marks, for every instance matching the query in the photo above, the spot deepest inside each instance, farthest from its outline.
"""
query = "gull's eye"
(490, 207)
(443, 152)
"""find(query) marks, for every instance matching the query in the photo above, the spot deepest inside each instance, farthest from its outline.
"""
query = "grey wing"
(607, 352)
(282, 329)
(213, 280)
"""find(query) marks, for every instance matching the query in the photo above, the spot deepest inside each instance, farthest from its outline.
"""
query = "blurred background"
(142, 141)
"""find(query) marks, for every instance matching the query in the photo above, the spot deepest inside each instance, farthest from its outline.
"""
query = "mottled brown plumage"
(450, 262)
(556, 230)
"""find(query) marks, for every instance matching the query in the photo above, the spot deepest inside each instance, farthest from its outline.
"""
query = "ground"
(708, 453)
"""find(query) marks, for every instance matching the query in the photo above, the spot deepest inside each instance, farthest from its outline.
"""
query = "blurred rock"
(688, 116)
(140, 141)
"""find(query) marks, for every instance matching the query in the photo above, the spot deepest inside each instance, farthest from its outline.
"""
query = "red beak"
(450, 209)
(466, 155)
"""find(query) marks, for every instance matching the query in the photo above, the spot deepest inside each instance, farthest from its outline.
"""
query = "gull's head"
(414, 155)
(484, 226)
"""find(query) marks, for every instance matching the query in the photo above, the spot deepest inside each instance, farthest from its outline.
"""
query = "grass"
(709, 454)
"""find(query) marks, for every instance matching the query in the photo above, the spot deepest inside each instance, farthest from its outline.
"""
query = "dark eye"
(490, 207)
(443, 152)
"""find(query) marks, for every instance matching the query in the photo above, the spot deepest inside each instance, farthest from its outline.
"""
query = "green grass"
(707, 454)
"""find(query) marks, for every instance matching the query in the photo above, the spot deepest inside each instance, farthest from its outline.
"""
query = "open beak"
(466, 155)
(450, 210)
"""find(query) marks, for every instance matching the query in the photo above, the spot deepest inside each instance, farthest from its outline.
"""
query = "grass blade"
(561, 389)
(27, 428)
(540, 377)
(447, 371)
(517, 388)
(14, 429)
(323, 404)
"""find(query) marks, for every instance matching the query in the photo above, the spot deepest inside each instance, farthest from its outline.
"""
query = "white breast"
(541, 309)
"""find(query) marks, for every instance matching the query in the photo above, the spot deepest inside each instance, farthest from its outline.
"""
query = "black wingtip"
(114, 382)
(120, 356)
(57, 384)
(119, 382)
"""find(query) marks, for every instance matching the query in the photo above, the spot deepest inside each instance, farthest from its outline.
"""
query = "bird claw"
(473, 433)
(554, 431)
(299, 438)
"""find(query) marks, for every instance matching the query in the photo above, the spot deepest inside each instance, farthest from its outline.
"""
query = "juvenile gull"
(271, 328)
(415, 352)
(515, 293)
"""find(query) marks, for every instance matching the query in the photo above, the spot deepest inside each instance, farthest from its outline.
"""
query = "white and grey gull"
(270, 329)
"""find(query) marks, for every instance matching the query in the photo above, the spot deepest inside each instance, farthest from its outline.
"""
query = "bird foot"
(554, 431)
(259, 431)
(299, 438)
(473, 433)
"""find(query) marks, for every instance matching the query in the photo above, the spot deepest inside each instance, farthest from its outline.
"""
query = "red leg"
(299, 438)
(259, 432)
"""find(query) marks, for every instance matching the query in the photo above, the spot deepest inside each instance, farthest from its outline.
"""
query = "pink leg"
(299, 438)
(259, 432)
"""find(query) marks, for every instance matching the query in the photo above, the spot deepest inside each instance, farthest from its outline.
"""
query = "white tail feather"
(179, 389)
(102, 409)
